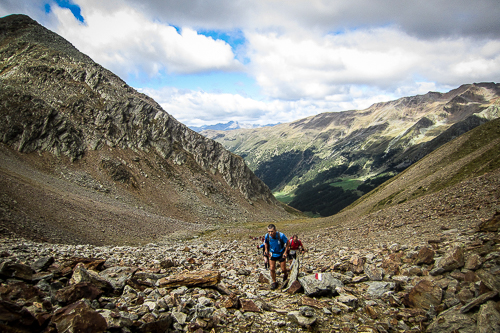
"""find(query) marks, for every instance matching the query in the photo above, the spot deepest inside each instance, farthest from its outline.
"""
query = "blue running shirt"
(275, 248)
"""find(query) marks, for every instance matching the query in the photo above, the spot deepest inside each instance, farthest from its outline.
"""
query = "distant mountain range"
(232, 125)
(323, 163)
(450, 173)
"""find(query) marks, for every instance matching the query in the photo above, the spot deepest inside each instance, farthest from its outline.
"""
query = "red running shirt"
(295, 245)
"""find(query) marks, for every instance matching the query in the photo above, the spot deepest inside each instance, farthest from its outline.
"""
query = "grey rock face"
(95, 109)
(379, 288)
(320, 284)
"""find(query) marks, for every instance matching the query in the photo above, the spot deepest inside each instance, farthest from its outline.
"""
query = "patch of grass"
(312, 215)
(348, 183)
(283, 197)
(380, 181)
(385, 201)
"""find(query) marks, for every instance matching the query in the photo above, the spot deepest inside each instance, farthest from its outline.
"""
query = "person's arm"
(266, 248)
(287, 248)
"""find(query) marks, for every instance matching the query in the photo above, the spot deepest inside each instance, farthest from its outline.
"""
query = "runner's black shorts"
(278, 259)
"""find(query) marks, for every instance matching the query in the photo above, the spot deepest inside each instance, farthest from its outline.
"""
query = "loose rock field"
(205, 284)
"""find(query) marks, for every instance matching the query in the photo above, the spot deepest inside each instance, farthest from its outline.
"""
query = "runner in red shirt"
(295, 245)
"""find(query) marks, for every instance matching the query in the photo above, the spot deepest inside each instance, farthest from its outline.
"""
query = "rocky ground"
(445, 284)
(426, 265)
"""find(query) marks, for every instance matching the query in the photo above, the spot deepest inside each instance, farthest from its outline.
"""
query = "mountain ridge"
(229, 126)
(74, 119)
(360, 145)
(468, 156)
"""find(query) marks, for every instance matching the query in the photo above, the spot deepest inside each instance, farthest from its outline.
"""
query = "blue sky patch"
(213, 82)
(234, 38)
(75, 9)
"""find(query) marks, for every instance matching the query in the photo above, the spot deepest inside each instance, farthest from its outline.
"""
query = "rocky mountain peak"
(23, 29)
(69, 106)
(57, 100)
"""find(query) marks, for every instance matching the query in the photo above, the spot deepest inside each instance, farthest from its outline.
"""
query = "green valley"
(323, 163)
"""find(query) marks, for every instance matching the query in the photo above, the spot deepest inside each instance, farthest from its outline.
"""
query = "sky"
(269, 61)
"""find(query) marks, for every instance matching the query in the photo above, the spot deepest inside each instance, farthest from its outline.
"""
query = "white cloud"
(199, 107)
(419, 18)
(387, 59)
(306, 56)
(125, 41)
(196, 108)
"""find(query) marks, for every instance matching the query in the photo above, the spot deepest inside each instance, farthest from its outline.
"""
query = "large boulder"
(295, 288)
(489, 280)
(75, 292)
(16, 318)
(379, 288)
(16, 270)
(82, 275)
(453, 259)
(473, 262)
(425, 256)
(42, 263)
(118, 275)
(452, 320)
(488, 319)
(79, 317)
(320, 284)
(424, 295)
(13, 291)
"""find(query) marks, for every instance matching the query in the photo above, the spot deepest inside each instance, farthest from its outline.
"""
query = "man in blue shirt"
(276, 247)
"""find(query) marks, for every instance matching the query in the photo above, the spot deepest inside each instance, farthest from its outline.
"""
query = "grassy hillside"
(471, 155)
